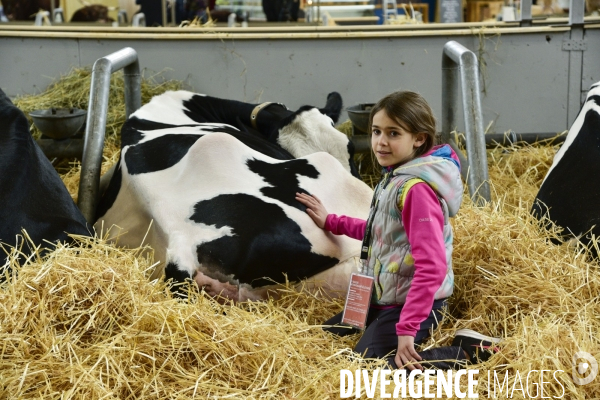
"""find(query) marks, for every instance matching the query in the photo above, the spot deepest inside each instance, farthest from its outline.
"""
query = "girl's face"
(391, 142)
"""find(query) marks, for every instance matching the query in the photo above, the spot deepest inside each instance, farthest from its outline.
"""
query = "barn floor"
(85, 322)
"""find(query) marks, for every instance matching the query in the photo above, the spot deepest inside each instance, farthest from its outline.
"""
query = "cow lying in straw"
(32, 195)
(569, 193)
(210, 184)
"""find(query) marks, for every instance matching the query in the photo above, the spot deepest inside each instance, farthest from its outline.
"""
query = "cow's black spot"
(204, 109)
(570, 193)
(158, 154)
(284, 179)
(179, 277)
(235, 113)
(353, 169)
(111, 193)
(255, 142)
(265, 242)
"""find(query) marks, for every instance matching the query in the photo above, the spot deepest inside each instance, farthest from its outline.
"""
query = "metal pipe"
(526, 13)
(164, 13)
(173, 10)
(458, 60)
(96, 121)
(138, 20)
(122, 17)
(58, 16)
(576, 12)
(67, 148)
(40, 16)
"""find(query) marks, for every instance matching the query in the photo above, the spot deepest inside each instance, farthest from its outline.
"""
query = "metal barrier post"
(41, 17)
(526, 17)
(96, 121)
(122, 17)
(58, 16)
(460, 64)
(575, 45)
(138, 20)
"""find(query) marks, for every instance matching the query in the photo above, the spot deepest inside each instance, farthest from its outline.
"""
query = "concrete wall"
(524, 72)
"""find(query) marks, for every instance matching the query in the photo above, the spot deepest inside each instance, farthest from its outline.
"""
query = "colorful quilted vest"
(389, 259)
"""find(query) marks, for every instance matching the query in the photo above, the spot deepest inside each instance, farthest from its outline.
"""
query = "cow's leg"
(333, 282)
(217, 289)
(223, 291)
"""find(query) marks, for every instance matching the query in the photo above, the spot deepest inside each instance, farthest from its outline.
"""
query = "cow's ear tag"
(358, 300)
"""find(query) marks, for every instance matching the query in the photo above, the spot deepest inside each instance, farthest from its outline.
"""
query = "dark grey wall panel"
(591, 59)
(28, 65)
(526, 82)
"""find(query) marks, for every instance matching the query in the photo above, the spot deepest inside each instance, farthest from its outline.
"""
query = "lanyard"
(364, 252)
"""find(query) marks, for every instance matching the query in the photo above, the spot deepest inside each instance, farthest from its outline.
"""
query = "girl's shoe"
(478, 347)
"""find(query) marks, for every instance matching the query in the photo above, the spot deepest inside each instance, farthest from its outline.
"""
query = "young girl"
(408, 235)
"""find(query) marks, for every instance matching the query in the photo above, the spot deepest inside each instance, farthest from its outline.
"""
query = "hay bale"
(86, 322)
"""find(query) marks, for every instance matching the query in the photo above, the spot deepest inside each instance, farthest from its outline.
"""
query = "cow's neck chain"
(255, 112)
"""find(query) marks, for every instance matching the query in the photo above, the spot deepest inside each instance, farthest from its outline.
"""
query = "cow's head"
(309, 130)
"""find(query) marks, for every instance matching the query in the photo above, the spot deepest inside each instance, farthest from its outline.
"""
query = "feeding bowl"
(59, 123)
(359, 115)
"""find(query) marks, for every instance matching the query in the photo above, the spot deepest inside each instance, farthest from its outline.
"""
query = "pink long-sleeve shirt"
(424, 224)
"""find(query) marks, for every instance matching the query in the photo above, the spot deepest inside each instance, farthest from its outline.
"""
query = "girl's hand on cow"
(406, 355)
(314, 208)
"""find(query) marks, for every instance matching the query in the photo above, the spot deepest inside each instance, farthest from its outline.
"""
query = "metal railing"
(103, 68)
(459, 68)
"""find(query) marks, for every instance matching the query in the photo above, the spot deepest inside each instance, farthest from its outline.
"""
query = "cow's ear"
(333, 107)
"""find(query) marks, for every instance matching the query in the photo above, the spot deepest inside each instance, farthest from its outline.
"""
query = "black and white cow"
(570, 194)
(215, 197)
(32, 195)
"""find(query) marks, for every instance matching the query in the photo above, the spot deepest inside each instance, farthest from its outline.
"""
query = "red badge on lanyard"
(358, 299)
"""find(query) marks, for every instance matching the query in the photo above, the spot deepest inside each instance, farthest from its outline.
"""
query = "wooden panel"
(478, 11)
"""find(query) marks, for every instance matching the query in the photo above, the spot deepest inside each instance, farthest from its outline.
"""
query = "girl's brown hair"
(410, 110)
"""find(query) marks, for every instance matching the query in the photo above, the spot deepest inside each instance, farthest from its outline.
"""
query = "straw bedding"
(85, 322)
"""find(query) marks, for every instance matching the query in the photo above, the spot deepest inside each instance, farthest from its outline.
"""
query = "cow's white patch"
(167, 108)
(312, 132)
